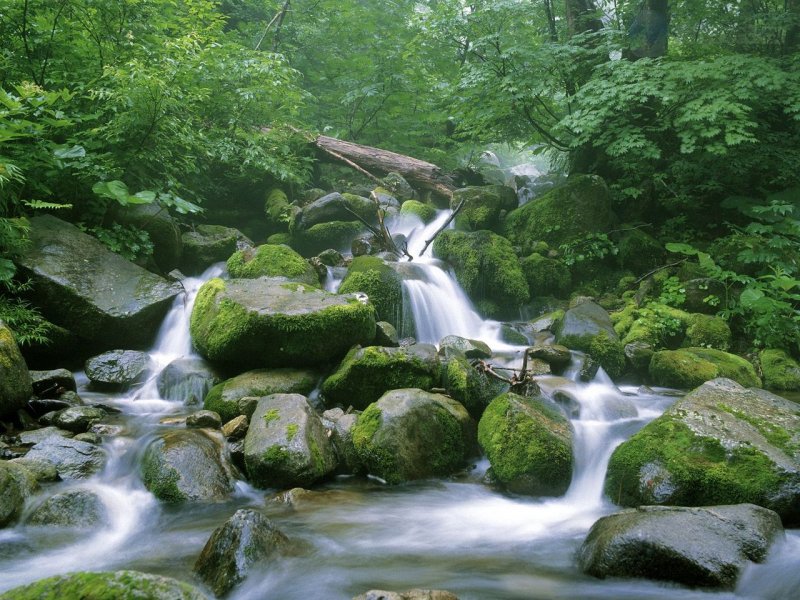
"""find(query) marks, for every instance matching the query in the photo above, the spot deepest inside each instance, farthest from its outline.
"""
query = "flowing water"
(355, 534)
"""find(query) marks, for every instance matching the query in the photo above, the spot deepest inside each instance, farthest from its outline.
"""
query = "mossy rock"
(690, 367)
(279, 212)
(425, 212)
(528, 442)
(280, 238)
(546, 276)
(17, 484)
(581, 323)
(708, 332)
(720, 444)
(581, 205)
(366, 374)
(486, 267)
(335, 207)
(16, 386)
(248, 323)
(412, 434)
(473, 389)
(659, 325)
(119, 585)
(209, 244)
(334, 234)
(224, 398)
(639, 252)
(781, 371)
(272, 260)
(482, 206)
(609, 354)
(381, 283)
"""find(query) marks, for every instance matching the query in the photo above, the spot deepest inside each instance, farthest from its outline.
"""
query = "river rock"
(425, 212)
(43, 471)
(336, 207)
(186, 380)
(74, 508)
(17, 484)
(342, 440)
(103, 298)
(72, 458)
(119, 585)
(261, 322)
(118, 369)
(721, 443)
(366, 374)
(382, 285)
(34, 436)
(50, 384)
(472, 388)
(707, 546)
(528, 442)
(469, 348)
(209, 244)
(412, 434)
(236, 428)
(78, 419)
(246, 538)
(415, 594)
(781, 371)
(557, 356)
(336, 235)
(286, 444)
(186, 465)
(226, 398)
(482, 206)
(583, 322)
(386, 335)
(162, 228)
(272, 260)
(15, 380)
(691, 367)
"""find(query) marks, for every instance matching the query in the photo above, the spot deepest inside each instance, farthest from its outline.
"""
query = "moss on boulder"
(381, 283)
(322, 236)
(425, 212)
(209, 244)
(546, 276)
(483, 206)
(279, 212)
(263, 322)
(16, 386)
(17, 484)
(720, 444)
(272, 260)
(781, 371)
(529, 444)
(366, 374)
(639, 252)
(708, 332)
(473, 389)
(690, 367)
(485, 266)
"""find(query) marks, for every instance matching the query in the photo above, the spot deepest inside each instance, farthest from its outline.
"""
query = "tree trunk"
(649, 32)
(581, 17)
(418, 173)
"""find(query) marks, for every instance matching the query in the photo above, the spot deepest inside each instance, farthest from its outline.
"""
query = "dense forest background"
(690, 110)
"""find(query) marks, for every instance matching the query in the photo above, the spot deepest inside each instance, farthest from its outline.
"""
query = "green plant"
(127, 241)
(592, 246)
(673, 293)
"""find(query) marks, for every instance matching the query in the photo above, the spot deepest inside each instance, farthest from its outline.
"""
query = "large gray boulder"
(17, 484)
(15, 381)
(73, 459)
(119, 585)
(78, 419)
(78, 283)
(583, 322)
(529, 444)
(721, 443)
(74, 508)
(336, 207)
(51, 384)
(707, 546)
(251, 323)
(209, 244)
(117, 369)
(286, 444)
(482, 206)
(187, 465)
(412, 434)
(245, 539)
(186, 380)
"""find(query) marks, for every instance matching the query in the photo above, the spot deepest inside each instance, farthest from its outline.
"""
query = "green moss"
(277, 456)
(279, 238)
(729, 365)
(379, 459)
(273, 414)
(708, 331)
(291, 432)
(546, 276)
(774, 434)
(639, 251)
(271, 261)
(279, 211)
(511, 336)
(425, 212)
(162, 483)
(656, 324)
(469, 387)
(700, 472)
(382, 284)
(609, 353)
(334, 234)
(781, 371)
(681, 369)
(482, 206)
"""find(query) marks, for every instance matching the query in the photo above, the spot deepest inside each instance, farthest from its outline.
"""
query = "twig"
(656, 270)
(444, 225)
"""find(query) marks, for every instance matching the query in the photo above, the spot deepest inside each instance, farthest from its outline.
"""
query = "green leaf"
(7, 269)
(143, 197)
(41, 204)
(73, 152)
(114, 190)
(750, 297)
(679, 248)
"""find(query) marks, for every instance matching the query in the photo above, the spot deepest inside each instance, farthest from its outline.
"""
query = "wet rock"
(425, 212)
(186, 465)
(74, 508)
(529, 444)
(15, 381)
(34, 436)
(186, 380)
(51, 384)
(366, 374)
(582, 323)
(412, 434)
(43, 471)
(286, 444)
(226, 398)
(161, 227)
(245, 539)
(89, 437)
(781, 371)
(118, 369)
(105, 300)
(201, 419)
(482, 206)
(415, 594)
(209, 244)
(707, 546)
(119, 585)
(236, 428)
(469, 348)
(272, 260)
(386, 334)
(691, 367)
(396, 183)
(471, 387)
(336, 207)
(381, 283)
(639, 354)
(78, 419)
(342, 440)
(557, 356)
(720, 443)
(17, 484)
(262, 322)
(72, 458)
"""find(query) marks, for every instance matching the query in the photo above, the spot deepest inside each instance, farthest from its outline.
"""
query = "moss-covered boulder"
(639, 252)
(17, 484)
(16, 386)
(707, 547)
(482, 206)
(412, 434)
(381, 283)
(119, 585)
(279, 212)
(546, 276)
(707, 331)
(336, 207)
(690, 367)
(366, 374)
(186, 465)
(472, 388)
(579, 206)
(425, 212)
(271, 260)
(208, 244)
(396, 183)
(485, 266)
(286, 444)
(250, 323)
(781, 371)
(322, 236)
(528, 442)
(720, 444)
(79, 508)
(224, 398)
(470, 348)
(581, 323)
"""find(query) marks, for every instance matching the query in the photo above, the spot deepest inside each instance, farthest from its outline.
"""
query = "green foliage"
(590, 247)
(126, 240)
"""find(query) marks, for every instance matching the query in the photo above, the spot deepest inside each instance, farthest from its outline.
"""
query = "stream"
(355, 534)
